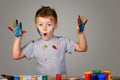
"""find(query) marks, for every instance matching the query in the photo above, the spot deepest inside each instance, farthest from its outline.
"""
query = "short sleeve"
(70, 45)
(28, 50)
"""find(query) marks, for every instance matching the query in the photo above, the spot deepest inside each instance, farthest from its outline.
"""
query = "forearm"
(16, 51)
(82, 42)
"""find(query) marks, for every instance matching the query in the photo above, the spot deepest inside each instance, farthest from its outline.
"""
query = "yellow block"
(21, 77)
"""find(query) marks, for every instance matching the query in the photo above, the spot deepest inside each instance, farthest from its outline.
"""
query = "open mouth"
(45, 34)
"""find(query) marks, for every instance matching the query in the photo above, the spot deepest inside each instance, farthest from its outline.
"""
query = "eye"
(40, 25)
(49, 24)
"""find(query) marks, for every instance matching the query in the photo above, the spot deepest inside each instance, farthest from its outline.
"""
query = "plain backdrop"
(102, 33)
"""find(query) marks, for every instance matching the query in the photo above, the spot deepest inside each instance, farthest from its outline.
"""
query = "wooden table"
(63, 77)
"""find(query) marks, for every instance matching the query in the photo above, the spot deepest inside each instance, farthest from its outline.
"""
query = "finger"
(13, 24)
(23, 31)
(85, 21)
(20, 25)
(79, 19)
(16, 21)
(77, 29)
(10, 29)
(82, 18)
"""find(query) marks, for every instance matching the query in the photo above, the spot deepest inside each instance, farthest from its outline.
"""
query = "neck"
(47, 38)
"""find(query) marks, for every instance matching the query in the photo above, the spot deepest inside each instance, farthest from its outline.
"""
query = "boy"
(49, 50)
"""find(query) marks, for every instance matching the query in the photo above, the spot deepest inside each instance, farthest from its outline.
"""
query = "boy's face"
(46, 26)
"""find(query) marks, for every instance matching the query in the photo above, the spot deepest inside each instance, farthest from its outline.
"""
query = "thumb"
(23, 31)
(77, 29)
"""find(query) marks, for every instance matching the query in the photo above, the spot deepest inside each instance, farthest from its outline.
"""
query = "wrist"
(80, 34)
(20, 37)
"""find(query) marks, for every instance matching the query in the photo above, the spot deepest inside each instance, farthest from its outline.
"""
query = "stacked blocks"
(97, 75)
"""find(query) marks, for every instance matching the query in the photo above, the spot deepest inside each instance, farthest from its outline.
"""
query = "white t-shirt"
(50, 54)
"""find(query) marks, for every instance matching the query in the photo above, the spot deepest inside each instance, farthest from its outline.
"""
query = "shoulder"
(63, 39)
(35, 41)
(60, 38)
(32, 42)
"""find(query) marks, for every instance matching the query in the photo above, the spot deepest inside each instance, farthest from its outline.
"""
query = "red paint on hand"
(23, 31)
(79, 19)
(10, 29)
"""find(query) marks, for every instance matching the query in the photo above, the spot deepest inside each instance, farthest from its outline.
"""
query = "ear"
(56, 25)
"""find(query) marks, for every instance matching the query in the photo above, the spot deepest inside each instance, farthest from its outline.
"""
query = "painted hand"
(17, 29)
(81, 23)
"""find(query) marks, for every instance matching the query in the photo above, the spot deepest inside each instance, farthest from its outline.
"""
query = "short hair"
(46, 11)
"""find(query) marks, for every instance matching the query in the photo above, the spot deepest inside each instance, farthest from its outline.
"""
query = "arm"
(16, 51)
(82, 42)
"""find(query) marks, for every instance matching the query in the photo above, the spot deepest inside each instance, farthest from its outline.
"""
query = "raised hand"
(17, 29)
(81, 23)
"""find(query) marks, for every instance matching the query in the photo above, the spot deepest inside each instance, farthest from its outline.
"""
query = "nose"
(44, 28)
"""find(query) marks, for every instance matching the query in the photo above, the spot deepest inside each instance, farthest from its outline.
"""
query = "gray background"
(102, 32)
